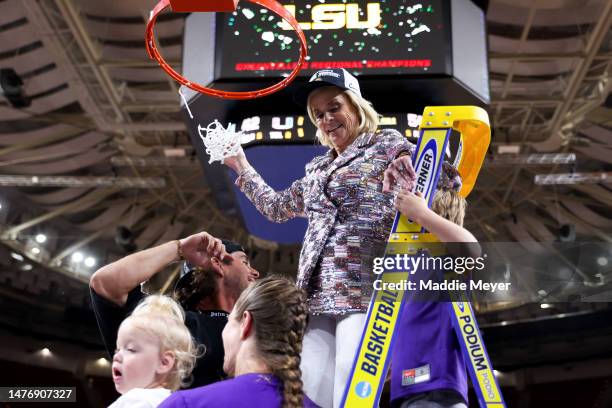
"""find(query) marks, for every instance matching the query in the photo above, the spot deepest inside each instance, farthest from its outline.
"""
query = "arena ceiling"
(104, 128)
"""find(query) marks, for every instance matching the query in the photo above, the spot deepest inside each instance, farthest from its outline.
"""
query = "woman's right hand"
(238, 163)
(200, 248)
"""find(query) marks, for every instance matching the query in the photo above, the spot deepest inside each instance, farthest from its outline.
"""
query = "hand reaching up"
(200, 248)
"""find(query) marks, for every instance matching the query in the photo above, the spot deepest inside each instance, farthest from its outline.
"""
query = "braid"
(280, 317)
(288, 368)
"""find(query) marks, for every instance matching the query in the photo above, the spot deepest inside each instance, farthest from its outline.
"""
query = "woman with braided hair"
(263, 342)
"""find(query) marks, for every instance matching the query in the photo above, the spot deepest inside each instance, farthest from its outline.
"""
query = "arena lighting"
(532, 159)
(508, 149)
(45, 352)
(27, 267)
(102, 362)
(77, 257)
(153, 161)
(545, 306)
(599, 282)
(17, 256)
(572, 178)
(174, 152)
(35, 250)
(601, 261)
(90, 262)
(68, 181)
(41, 238)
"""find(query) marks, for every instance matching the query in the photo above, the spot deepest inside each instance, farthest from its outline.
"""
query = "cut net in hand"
(220, 143)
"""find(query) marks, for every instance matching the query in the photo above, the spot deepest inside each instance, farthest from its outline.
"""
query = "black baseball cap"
(339, 77)
(187, 268)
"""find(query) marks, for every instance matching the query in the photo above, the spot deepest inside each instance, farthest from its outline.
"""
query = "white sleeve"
(138, 398)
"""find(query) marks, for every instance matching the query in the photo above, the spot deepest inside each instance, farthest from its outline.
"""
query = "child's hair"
(450, 205)
(163, 318)
(280, 316)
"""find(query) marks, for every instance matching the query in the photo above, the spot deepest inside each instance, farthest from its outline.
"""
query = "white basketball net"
(220, 143)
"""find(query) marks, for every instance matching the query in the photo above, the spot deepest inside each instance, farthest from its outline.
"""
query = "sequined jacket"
(349, 218)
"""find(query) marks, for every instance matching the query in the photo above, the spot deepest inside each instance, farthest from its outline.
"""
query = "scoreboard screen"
(386, 37)
(292, 129)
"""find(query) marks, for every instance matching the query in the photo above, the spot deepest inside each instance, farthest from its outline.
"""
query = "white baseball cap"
(338, 77)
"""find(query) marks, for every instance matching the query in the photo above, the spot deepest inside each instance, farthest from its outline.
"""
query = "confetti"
(382, 32)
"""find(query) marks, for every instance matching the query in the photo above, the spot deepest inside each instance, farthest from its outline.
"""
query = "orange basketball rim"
(220, 6)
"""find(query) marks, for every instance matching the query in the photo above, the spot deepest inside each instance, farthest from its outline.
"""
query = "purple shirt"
(247, 390)
(426, 355)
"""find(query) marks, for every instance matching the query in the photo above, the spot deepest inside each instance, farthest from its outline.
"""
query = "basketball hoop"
(222, 5)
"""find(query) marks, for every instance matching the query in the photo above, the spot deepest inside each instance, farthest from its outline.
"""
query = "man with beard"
(215, 273)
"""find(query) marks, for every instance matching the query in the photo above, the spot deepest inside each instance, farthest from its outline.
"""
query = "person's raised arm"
(413, 206)
(115, 281)
(238, 163)
(277, 206)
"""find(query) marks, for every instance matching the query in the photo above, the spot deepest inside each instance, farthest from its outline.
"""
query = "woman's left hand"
(401, 172)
